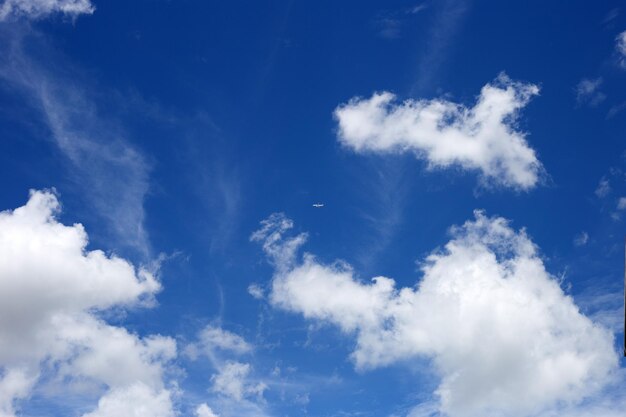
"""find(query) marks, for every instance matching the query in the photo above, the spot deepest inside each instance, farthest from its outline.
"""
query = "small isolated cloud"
(603, 189)
(232, 381)
(255, 291)
(581, 239)
(212, 340)
(621, 203)
(503, 337)
(620, 46)
(418, 8)
(37, 9)
(587, 92)
(482, 138)
(616, 109)
(390, 24)
(204, 410)
(52, 291)
(610, 16)
(389, 27)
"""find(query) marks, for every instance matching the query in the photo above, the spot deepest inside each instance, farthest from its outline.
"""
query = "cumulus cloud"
(588, 92)
(37, 9)
(204, 410)
(138, 400)
(232, 381)
(256, 291)
(51, 293)
(483, 137)
(213, 339)
(503, 337)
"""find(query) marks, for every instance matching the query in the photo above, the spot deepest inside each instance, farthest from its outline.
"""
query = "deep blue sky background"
(231, 104)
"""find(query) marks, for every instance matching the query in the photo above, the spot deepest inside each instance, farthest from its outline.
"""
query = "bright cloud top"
(501, 333)
(36, 9)
(204, 410)
(444, 133)
(44, 265)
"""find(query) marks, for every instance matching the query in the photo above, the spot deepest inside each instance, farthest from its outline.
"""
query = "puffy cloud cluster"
(502, 335)
(236, 390)
(232, 381)
(483, 137)
(36, 9)
(51, 293)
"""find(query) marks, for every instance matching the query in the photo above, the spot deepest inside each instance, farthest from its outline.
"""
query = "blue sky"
(160, 254)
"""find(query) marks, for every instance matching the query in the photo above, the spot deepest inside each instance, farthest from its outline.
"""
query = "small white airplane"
(318, 205)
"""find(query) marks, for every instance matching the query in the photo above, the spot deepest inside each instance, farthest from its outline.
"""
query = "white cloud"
(138, 400)
(483, 137)
(14, 384)
(587, 92)
(112, 174)
(603, 189)
(212, 339)
(499, 330)
(620, 45)
(36, 9)
(581, 239)
(256, 291)
(621, 203)
(232, 381)
(204, 410)
(51, 290)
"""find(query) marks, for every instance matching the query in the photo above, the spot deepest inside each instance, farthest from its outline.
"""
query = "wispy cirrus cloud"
(482, 137)
(38, 9)
(588, 92)
(448, 17)
(620, 46)
(390, 23)
(113, 175)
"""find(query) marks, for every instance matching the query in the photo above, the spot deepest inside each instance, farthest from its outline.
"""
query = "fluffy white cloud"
(51, 290)
(483, 137)
(502, 335)
(138, 400)
(36, 9)
(256, 291)
(14, 384)
(204, 410)
(212, 339)
(232, 381)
